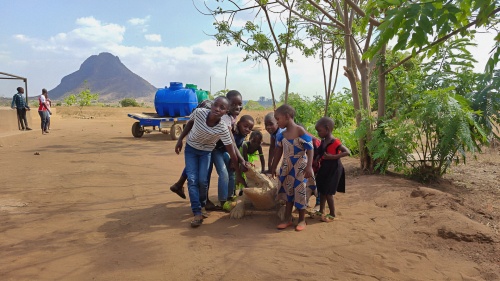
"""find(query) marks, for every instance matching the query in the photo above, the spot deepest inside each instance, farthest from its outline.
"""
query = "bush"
(129, 102)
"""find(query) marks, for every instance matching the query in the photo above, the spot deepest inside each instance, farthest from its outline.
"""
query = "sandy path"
(95, 205)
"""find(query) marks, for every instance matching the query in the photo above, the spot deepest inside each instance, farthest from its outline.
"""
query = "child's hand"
(308, 172)
(178, 147)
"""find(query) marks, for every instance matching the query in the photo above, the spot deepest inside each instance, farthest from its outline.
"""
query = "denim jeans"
(44, 116)
(197, 163)
(226, 181)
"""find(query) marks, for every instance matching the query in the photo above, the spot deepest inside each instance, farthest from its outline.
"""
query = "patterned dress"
(293, 187)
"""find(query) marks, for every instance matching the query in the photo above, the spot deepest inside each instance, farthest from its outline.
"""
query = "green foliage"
(221, 93)
(129, 102)
(417, 24)
(59, 103)
(340, 109)
(84, 98)
(253, 105)
(70, 100)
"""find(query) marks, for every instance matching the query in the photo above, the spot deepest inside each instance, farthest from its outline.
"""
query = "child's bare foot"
(301, 226)
(327, 218)
(179, 190)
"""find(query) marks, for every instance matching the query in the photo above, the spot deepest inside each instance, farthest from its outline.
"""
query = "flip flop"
(178, 191)
(300, 227)
(327, 218)
(284, 225)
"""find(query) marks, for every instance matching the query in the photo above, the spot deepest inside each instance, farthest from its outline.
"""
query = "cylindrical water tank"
(175, 101)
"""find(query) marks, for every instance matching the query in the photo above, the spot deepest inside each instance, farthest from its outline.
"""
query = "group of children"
(214, 138)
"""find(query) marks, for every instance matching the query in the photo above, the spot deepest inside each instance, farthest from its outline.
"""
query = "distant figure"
(19, 103)
(49, 103)
(44, 111)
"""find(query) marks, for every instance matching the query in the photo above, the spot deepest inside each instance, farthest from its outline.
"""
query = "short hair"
(269, 117)
(221, 97)
(233, 93)
(256, 133)
(285, 109)
(327, 122)
(19, 89)
(44, 91)
(246, 118)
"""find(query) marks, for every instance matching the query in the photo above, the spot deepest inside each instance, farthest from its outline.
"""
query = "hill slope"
(107, 75)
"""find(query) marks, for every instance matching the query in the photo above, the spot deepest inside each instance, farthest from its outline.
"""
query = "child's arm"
(344, 152)
(189, 126)
(278, 152)
(272, 146)
(262, 160)
(308, 172)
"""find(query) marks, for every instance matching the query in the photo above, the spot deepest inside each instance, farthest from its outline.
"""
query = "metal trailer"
(148, 122)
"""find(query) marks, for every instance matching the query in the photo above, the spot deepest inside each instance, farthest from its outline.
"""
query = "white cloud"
(139, 21)
(153, 37)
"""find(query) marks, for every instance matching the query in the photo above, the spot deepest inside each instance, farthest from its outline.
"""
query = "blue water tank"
(175, 101)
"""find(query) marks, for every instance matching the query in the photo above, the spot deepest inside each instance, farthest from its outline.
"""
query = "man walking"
(19, 103)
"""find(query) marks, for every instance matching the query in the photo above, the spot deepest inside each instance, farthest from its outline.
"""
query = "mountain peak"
(107, 75)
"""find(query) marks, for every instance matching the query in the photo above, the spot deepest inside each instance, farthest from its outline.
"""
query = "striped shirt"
(203, 137)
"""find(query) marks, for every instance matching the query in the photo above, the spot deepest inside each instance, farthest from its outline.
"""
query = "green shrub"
(129, 102)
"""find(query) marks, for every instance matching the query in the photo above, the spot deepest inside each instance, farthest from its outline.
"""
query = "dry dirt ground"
(95, 205)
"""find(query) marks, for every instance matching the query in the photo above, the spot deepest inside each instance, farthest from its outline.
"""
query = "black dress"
(330, 177)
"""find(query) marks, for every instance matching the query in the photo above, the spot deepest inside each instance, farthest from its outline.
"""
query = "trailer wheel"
(175, 131)
(137, 130)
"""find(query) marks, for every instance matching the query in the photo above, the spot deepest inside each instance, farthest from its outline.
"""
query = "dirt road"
(95, 205)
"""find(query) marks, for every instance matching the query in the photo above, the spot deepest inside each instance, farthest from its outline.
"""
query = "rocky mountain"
(107, 75)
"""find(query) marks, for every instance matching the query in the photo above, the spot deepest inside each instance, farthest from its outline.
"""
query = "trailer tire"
(137, 130)
(176, 131)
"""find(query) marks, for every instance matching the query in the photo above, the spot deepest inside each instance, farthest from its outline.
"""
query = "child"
(252, 149)
(235, 106)
(330, 176)
(272, 128)
(297, 150)
(205, 130)
(226, 182)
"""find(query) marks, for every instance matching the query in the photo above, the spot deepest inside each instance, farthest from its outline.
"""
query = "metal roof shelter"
(15, 77)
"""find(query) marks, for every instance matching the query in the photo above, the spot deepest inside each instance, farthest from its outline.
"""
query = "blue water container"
(175, 101)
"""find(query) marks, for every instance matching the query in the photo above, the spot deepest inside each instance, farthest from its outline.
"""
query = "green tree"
(70, 100)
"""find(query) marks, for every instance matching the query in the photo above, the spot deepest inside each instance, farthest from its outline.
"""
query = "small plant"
(129, 102)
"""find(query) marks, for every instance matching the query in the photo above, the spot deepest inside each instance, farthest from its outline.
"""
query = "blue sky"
(160, 40)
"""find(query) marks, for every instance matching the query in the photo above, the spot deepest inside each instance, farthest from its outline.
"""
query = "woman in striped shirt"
(202, 135)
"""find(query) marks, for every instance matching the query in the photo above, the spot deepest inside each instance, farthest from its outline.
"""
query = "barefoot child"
(330, 176)
(205, 130)
(297, 149)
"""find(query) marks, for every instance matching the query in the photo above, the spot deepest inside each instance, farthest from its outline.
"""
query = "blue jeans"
(44, 116)
(197, 164)
(226, 181)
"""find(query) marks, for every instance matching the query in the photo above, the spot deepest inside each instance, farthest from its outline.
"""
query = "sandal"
(284, 225)
(327, 218)
(300, 227)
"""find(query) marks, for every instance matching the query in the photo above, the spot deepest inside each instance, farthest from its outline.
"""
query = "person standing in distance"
(19, 103)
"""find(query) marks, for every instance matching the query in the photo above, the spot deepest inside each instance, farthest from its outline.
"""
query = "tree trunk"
(271, 83)
(381, 85)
